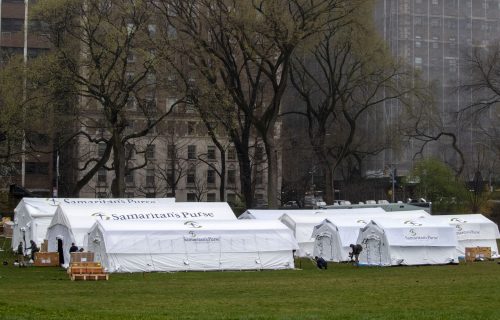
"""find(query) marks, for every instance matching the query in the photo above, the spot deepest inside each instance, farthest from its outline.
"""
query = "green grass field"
(466, 291)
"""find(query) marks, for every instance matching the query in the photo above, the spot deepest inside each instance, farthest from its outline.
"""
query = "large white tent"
(473, 230)
(160, 245)
(303, 225)
(391, 241)
(263, 214)
(32, 216)
(71, 222)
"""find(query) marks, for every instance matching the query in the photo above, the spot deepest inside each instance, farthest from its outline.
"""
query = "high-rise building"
(434, 37)
(39, 163)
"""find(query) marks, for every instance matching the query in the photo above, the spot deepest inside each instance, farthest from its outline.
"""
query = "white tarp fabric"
(160, 245)
(472, 230)
(303, 225)
(72, 221)
(276, 214)
(31, 219)
(391, 241)
(32, 216)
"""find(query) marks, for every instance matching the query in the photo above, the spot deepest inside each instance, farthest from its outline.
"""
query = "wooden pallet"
(90, 277)
(87, 271)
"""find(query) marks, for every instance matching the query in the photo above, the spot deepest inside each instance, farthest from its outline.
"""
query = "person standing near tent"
(356, 250)
(73, 248)
(34, 249)
(20, 254)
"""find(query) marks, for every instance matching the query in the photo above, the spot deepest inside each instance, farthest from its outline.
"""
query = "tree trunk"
(118, 184)
(272, 170)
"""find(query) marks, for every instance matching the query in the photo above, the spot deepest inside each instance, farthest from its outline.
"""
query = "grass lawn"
(466, 291)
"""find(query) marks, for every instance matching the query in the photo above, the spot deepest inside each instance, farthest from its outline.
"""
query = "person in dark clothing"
(321, 263)
(34, 249)
(355, 251)
(73, 248)
(20, 254)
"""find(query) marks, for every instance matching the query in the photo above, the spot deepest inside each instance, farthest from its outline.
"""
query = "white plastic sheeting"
(473, 230)
(276, 214)
(391, 241)
(303, 225)
(145, 246)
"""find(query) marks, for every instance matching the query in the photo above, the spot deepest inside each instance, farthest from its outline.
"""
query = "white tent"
(303, 225)
(72, 222)
(473, 230)
(276, 214)
(160, 245)
(391, 241)
(334, 235)
(32, 216)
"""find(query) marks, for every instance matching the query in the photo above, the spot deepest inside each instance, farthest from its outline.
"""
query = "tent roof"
(199, 225)
(84, 215)
(46, 207)
(276, 214)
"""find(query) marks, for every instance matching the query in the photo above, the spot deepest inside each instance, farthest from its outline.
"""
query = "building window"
(150, 177)
(151, 195)
(101, 148)
(191, 197)
(129, 178)
(152, 30)
(150, 151)
(211, 153)
(231, 176)
(231, 153)
(170, 177)
(191, 128)
(259, 153)
(129, 195)
(41, 168)
(129, 151)
(191, 152)
(102, 195)
(102, 176)
(211, 197)
(171, 151)
(231, 198)
(191, 176)
(211, 176)
(258, 178)
(131, 103)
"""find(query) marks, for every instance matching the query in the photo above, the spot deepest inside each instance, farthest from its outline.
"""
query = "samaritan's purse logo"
(101, 215)
(413, 223)
(192, 224)
(412, 232)
(52, 202)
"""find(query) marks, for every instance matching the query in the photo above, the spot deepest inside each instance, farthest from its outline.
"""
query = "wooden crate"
(46, 259)
(476, 253)
(82, 257)
(87, 277)
(45, 246)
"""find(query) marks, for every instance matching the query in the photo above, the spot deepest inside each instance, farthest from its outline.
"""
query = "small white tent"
(31, 218)
(303, 225)
(473, 230)
(391, 241)
(72, 222)
(334, 235)
(159, 245)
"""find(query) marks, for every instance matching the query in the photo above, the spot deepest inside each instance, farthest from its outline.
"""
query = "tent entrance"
(60, 250)
(324, 243)
(373, 248)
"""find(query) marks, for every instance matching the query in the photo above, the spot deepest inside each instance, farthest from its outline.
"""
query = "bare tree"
(103, 49)
(341, 80)
(244, 48)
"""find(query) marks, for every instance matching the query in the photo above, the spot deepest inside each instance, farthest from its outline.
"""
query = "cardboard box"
(82, 257)
(46, 259)
(477, 253)
(8, 228)
(45, 246)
